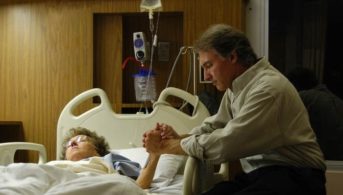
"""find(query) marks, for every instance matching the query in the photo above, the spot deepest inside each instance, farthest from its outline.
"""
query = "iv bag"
(148, 5)
(145, 86)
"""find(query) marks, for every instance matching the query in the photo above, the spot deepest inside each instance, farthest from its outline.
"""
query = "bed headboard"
(126, 130)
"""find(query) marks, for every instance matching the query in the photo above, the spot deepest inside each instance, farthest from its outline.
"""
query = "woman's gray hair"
(101, 145)
(225, 39)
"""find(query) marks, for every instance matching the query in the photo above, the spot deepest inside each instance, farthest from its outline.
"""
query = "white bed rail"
(130, 127)
(200, 177)
(8, 150)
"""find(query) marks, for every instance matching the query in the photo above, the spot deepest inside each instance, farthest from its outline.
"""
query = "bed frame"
(126, 130)
(8, 150)
(129, 128)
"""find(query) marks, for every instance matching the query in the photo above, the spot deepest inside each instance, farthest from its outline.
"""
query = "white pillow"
(167, 166)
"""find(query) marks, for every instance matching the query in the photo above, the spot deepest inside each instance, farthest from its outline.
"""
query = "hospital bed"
(124, 134)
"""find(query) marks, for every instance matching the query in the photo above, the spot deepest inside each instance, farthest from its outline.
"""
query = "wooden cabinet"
(12, 131)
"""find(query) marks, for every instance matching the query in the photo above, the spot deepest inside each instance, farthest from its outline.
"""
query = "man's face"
(80, 147)
(221, 71)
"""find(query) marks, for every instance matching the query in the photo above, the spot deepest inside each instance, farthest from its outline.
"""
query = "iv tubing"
(153, 45)
(184, 50)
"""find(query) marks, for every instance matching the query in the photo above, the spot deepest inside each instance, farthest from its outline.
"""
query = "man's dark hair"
(225, 39)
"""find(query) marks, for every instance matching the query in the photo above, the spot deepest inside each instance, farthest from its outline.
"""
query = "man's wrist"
(172, 146)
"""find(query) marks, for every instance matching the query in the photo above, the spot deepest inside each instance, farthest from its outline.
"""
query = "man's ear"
(233, 57)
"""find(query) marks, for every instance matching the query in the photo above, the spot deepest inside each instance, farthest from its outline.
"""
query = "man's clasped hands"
(155, 140)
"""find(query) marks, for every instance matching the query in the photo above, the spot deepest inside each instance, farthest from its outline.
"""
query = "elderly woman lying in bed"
(81, 144)
(88, 168)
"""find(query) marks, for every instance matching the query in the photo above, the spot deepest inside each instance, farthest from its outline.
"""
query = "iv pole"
(183, 51)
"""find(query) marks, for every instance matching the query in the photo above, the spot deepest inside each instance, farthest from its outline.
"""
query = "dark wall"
(287, 38)
(333, 70)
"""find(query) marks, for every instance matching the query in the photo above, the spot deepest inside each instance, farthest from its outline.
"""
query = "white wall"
(257, 16)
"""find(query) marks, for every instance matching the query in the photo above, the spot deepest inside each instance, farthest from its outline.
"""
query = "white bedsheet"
(173, 188)
(36, 179)
(82, 177)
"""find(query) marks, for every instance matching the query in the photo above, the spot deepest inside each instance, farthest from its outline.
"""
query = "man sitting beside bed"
(82, 145)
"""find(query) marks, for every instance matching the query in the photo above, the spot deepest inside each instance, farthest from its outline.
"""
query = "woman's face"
(80, 147)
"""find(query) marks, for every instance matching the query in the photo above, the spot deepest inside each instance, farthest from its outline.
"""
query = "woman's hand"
(152, 141)
(167, 132)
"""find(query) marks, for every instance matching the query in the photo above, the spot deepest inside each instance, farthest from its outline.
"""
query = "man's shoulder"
(272, 81)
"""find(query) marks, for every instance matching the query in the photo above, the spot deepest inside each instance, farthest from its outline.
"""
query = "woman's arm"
(147, 173)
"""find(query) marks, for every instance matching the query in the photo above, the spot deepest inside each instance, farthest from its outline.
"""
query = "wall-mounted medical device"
(139, 46)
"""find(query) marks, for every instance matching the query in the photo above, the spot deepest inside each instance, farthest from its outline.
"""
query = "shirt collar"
(242, 80)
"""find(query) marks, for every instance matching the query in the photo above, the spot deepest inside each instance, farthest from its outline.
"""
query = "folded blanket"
(44, 179)
(123, 165)
(93, 165)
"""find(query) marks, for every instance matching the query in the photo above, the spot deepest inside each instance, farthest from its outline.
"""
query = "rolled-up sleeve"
(195, 144)
(192, 147)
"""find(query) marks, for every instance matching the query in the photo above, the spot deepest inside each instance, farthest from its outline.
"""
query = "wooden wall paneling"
(46, 62)
(3, 60)
(170, 30)
(202, 14)
(108, 56)
(220, 11)
(113, 6)
(189, 35)
(66, 61)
